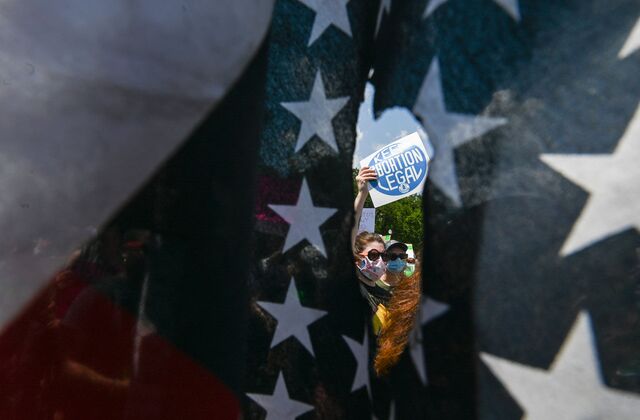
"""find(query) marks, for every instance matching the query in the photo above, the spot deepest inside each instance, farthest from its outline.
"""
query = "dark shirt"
(375, 295)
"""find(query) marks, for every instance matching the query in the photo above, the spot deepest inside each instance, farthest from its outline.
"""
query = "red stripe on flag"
(70, 355)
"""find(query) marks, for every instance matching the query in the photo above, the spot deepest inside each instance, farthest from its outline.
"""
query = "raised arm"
(365, 175)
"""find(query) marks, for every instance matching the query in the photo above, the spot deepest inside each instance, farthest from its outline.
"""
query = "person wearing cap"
(396, 256)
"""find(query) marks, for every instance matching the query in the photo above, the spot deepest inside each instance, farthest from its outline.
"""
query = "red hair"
(402, 310)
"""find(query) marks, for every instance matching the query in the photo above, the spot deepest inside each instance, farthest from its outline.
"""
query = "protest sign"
(411, 267)
(367, 220)
(410, 252)
(401, 167)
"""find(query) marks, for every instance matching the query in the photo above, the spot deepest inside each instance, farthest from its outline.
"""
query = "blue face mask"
(396, 266)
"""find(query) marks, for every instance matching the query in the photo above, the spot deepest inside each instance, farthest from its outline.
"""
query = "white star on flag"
(429, 310)
(572, 388)
(278, 405)
(328, 12)
(613, 183)
(316, 115)
(304, 219)
(432, 5)
(447, 130)
(509, 6)
(632, 43)
(392, 412)
(385, 6)
(361, 354)
(293, 318)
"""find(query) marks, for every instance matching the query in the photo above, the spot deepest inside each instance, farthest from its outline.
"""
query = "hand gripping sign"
(402, 169)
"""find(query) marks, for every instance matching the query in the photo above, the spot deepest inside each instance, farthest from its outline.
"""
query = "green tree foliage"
(403, 217)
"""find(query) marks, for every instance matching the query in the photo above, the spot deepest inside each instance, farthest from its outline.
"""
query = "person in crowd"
(371, 270)
(368, 248)
(393, 296)
(101, 337)
(396, 258)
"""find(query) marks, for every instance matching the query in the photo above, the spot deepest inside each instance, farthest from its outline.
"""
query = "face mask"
(372, 270)
(396, 266)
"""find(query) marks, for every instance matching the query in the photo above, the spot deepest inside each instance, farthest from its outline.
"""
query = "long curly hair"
(402, 311)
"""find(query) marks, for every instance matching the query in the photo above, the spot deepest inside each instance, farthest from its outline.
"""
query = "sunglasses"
(373, 255)
(393, 257)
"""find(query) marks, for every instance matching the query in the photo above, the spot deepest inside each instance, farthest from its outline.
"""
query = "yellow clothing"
(379, 319)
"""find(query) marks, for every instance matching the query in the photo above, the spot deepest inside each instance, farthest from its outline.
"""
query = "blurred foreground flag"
(532, 212)
(97, 97)
(94, 97)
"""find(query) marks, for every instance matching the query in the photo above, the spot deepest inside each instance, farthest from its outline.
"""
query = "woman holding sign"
(394, 298)
(365, 175)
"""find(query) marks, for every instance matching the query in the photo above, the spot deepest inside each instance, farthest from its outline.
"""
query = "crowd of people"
(392, 292)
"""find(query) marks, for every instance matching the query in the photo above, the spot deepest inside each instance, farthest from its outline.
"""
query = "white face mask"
(372, 270)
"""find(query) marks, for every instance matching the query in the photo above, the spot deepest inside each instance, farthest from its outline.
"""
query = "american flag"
(246, 294)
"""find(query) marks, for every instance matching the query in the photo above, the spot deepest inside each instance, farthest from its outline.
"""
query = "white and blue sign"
(402, 168)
